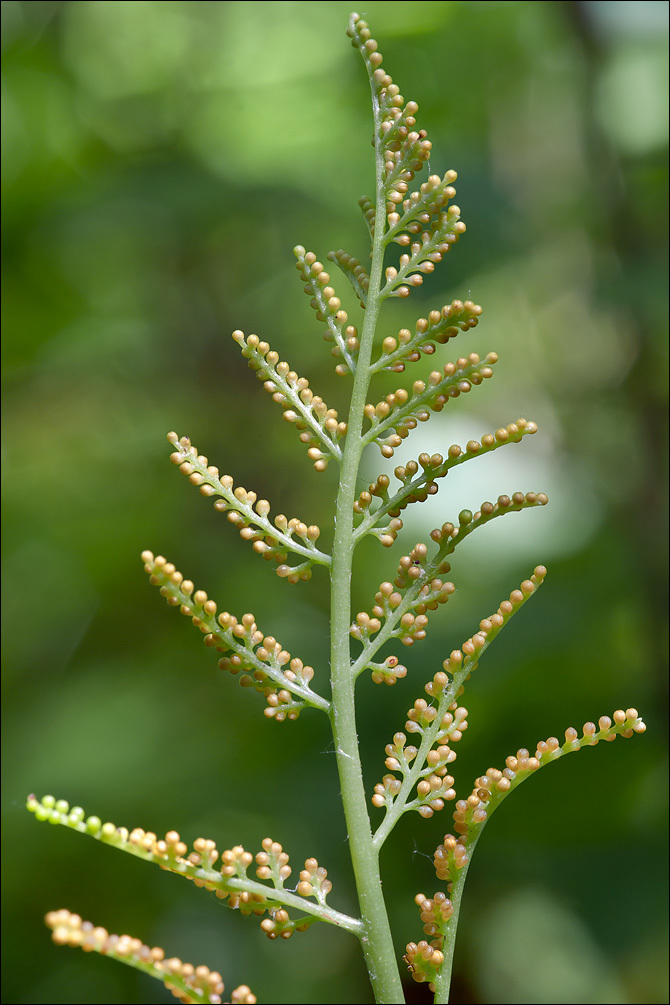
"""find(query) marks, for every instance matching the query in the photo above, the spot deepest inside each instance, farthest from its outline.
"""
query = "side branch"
(438, 328)
(402, 410)
(435, 726)
(270, 540)
(432, 962)
(417, 571)
(192, 985)
(172, 855)
(425, 253)
(328, 308)
(261, 655)
(417, 489)
(318, 424)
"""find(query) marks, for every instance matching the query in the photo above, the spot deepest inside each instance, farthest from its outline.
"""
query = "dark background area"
(161, 161)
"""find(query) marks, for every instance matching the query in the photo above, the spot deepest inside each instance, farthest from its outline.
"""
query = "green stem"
(443, 980)
(376, 940)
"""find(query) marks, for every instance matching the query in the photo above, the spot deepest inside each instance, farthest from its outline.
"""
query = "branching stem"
(427, 740)
(376, 941)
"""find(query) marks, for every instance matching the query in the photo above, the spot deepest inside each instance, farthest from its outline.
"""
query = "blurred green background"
(161, 160)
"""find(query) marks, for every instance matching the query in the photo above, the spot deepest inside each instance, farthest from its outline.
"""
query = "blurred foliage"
(161, 160)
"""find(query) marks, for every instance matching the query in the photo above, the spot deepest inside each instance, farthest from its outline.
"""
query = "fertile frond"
(189, 984)
(412, 222)
(317, 424)
(270, 668)
(250, 514)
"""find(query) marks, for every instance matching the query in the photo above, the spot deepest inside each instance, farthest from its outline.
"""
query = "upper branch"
(402, 410)
(329, 308)
(250, 514)
(263, 658)
(416, 588)
(417, 486)
(317, 423)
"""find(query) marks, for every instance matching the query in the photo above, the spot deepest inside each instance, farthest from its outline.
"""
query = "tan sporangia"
(423, 962)
(437, 329)
(268, 667)
(314, 881)
(189, 984)
(402, 410)
(328, 306)
(419, 481)
(250, 515)
(435, 913)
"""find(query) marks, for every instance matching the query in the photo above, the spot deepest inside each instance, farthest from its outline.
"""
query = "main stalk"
(376, 941)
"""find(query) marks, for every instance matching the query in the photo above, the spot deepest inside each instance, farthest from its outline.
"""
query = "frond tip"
(189, 984)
